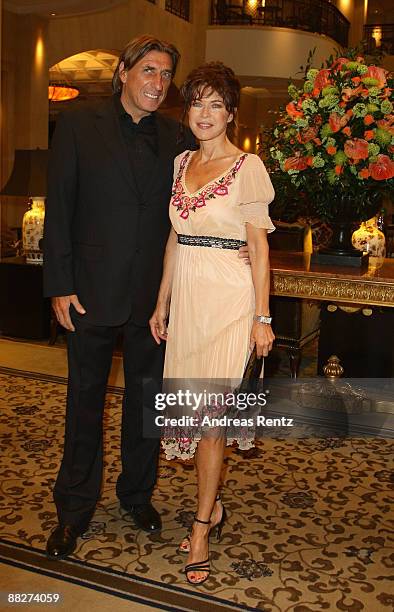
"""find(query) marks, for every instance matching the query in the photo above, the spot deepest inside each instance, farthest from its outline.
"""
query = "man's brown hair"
(136, 49)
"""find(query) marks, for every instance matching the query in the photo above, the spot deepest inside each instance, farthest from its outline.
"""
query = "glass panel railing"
(181, 8)
(318, 16)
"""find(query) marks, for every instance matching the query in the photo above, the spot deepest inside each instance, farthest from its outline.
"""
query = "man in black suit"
(106, 228)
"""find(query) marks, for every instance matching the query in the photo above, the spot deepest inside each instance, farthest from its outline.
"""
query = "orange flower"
(368, 119)
(377, 73)
(349, 113)
(382, 169)
(356, 149)
(338, 169)
(364, 173)
(296, 163)
(292, 111)
(356, 80)
(322, 79)
(331, 150)
(335, 122)
(369, 134)
(307, 134)
(309, 160)
(347, 131)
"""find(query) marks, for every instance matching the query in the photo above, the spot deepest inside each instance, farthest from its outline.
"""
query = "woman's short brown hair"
(136, 49)
(210, 77)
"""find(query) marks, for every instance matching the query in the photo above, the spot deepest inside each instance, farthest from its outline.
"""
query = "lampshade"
(29, 174)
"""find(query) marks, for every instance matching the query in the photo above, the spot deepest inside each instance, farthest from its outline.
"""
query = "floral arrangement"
(332, 147)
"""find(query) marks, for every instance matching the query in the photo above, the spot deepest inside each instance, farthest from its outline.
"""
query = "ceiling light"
(61, 93)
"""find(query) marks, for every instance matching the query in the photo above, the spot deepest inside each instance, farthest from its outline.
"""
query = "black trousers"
(78, 484)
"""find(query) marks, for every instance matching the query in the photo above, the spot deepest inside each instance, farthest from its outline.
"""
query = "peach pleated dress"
(212, 301)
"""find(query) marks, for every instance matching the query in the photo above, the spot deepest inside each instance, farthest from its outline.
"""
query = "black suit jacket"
(104, 240)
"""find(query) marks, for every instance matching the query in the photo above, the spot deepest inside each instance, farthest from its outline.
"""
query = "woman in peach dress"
(218, 307)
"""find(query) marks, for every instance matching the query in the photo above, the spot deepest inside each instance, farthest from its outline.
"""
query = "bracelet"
(262, 319)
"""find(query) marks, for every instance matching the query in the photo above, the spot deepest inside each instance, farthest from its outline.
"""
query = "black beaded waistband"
(211, 241)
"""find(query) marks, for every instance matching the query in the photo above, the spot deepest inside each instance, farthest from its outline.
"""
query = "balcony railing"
(181, 8)
(311, 15)
(380, 36)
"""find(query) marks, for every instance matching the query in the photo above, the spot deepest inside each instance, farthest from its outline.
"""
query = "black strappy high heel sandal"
(216, 529)
(200, 566)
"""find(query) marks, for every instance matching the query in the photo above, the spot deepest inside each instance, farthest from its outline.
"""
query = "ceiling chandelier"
(60, 89)
(61, 93)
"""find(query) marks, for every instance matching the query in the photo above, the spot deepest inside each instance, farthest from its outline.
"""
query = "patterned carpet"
(309, 524)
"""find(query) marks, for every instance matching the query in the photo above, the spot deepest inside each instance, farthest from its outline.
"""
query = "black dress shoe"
(62, 541)
(145, 516)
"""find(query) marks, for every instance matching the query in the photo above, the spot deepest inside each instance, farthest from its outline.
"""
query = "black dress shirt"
(141, 143)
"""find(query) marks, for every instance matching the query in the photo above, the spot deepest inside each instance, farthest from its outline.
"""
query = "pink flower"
(382, 169)
(296, 163)
(356, 149)
(198, 202)
(221, 190)
(386, 124)
(185, 443)
(185, 213)
(337, 65)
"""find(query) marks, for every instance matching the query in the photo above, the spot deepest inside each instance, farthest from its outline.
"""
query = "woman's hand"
(243, 253)
(158, 322)
(262, 336)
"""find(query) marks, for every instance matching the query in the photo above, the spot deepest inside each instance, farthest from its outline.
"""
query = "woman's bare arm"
(261, 335)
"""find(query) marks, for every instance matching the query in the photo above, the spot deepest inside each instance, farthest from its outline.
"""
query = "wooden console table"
(292, 275)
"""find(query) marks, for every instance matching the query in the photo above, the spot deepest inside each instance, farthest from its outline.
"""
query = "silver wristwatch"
(262, 319)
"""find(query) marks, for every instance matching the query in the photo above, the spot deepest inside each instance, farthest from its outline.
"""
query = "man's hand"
(243, 253)
(61, 306)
